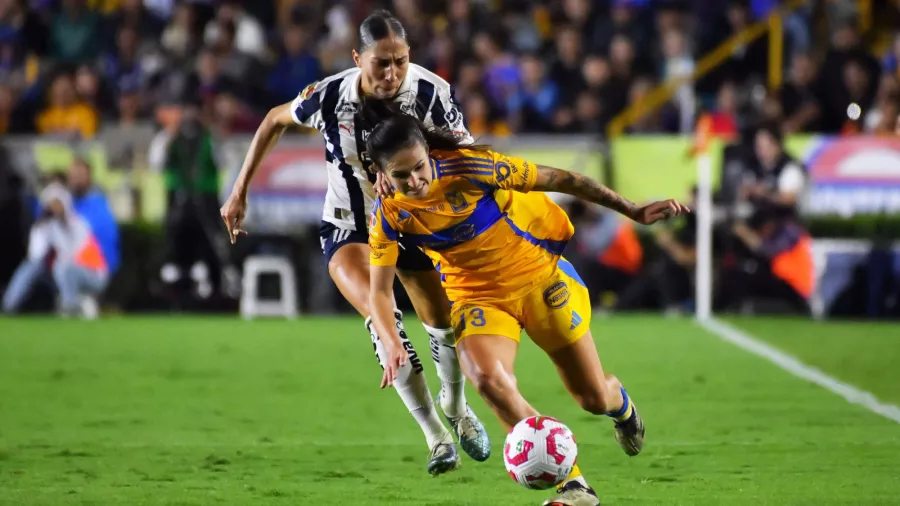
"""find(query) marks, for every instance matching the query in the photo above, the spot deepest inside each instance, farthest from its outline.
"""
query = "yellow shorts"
(555, 314)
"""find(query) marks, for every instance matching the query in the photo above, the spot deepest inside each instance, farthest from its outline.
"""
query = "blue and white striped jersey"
(331, 106)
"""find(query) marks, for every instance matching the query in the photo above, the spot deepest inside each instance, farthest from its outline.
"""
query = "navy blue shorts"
(331, 237)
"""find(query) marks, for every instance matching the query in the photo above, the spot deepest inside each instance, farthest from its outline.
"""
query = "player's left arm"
(383, 254)
(551, 179)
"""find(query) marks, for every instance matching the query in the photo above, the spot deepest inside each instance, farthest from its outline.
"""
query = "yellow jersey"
(487, 236)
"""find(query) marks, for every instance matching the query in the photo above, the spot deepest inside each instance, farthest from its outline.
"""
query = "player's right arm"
(382, 269)
(304, 111)
(517, 174)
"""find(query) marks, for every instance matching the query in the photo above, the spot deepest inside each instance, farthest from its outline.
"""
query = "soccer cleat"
(443, 457)
(630, 433)
(473, 437)
(573, 493)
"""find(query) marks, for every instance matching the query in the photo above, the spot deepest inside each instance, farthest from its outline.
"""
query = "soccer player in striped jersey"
(498, 240)
(383, 73)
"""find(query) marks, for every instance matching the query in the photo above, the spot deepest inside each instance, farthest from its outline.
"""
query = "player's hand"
(662, 210)
(396, 358)
(233, 212)
(383, 186)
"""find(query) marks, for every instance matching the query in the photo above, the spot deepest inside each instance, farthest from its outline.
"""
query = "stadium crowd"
(116, 71)
(79, 67)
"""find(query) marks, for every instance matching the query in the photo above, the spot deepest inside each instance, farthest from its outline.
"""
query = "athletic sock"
(453, 383)
(624, 413)
(411, 385)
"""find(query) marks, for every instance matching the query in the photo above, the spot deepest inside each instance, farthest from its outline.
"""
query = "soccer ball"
(539, 452)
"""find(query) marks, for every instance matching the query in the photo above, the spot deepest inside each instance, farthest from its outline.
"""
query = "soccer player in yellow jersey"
(497, 242)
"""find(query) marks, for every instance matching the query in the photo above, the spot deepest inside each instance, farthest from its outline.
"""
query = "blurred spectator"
(179, 38)
(679, 64)
(442, 57)
(623, 21)
(650, 122)
(891, 60)
(778, 265)
(857, 92)
(196, 252)
(14, 119)
(133, 14)
(76, 34)
(881, 118)
(669, 276)
(469, 81)
(417, 28)
(606, 250)
(801, 97)
(501, 74)
(846, 46)
(534, 101)
(235, 64)
(91, 204)
(247, 35)
(67, 116)
(91, 91)
(127, 138)
(479, 118)
(76, 239)
(296, 68)
(125, 62)
(588, 114)
(27, 28)
(777, 181)
(335, 47)
(566, 69)
(233, 116)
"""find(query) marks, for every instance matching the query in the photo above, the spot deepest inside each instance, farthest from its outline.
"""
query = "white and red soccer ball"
(539, 452)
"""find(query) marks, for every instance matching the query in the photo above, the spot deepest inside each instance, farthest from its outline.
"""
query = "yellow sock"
(625, 412)
(575, 475)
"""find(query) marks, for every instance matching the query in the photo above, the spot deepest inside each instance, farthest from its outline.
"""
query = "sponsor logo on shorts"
(557, 295)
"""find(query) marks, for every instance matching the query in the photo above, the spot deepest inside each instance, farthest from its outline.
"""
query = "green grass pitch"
(191, 411)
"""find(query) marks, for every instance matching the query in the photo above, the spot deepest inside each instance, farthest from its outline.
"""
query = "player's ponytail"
(378, 26)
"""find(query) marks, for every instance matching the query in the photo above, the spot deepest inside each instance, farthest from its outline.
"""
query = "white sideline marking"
(790, 364)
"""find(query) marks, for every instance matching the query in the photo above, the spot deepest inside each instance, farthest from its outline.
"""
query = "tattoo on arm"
(583, 187)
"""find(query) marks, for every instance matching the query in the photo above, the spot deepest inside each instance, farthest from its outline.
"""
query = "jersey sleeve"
(383, 248)
(513, 173)
(306, 109)
(446, 114)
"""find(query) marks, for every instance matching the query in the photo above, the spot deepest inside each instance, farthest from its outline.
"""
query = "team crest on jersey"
(457, 201)
(308, 91)
(557, 295)
(503, 171)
